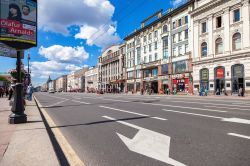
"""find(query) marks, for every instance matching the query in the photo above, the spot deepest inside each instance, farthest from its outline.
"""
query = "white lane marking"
(238, 135)
(135, 113)
(80, 102)
(148, 143)
(233, 120)
(188, 113)
(209, 103)
(158, 118)
(55, 97)
(77, 98)
(236, 120)
(229, 108)
(175, 106)
(124, 101)
(55, 104)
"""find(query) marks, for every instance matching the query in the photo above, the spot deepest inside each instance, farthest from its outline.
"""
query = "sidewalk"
(25, 144)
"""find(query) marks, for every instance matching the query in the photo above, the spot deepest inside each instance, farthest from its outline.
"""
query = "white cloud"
(102, 36)
(57, 16)
(64, 54)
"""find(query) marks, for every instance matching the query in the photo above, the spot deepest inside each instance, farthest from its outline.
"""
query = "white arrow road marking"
(235, 120)
(135, 113)
(238, 135)
(148, 143)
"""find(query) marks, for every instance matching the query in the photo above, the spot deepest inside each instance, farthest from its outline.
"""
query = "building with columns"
(111, 64)
(158, 54)
(221, 45)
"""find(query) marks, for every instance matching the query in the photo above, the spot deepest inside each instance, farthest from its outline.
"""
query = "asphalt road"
(126, 130)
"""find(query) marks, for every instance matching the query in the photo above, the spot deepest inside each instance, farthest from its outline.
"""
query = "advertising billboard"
(7, 51)
(18, 23)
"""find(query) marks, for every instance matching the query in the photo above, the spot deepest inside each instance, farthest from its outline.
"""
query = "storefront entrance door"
(237, 78)
(219, 86)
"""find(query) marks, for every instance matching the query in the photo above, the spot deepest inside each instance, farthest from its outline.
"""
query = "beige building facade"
(91, 79)
(61, 83)
(221, 46)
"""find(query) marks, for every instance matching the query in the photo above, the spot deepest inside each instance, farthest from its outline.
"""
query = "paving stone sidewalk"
(25, 144)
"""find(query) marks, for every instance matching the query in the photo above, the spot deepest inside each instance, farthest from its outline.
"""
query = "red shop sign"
(220, 73)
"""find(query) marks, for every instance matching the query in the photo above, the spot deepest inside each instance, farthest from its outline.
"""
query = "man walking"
(29, 92)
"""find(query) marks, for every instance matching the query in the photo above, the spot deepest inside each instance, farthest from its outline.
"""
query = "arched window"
(219, 46)
(165, 28)
(204, 49)
(237, 41)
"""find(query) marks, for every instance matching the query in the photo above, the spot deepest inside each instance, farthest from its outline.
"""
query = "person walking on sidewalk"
(29, 92)
(241, 93)
(1, 92)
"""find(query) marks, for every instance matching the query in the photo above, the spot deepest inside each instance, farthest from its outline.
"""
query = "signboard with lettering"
(220, 73)
(18, 23)
(204, 74)
(238, 71)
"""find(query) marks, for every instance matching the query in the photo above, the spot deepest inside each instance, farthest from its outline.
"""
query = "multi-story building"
(91, 79)
(110, 69)
(221, 45)
(157, 54)
(76, 80)
(61, 83)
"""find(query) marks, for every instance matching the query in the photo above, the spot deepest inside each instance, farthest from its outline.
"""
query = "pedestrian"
(1, 92)
(11, 90)
(29, 92)
(6, 92)
(241, 93)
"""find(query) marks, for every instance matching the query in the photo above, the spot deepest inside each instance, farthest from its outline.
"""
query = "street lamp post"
(17, 115)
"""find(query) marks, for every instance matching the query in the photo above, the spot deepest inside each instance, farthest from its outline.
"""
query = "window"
(236, 15)
(179, 36)
(186, 48)
(204, 49)
(204, 27)
(146, 73)
(150, 36)
(174, 51)
(145, 49)
(164, 69)
(154, 72)
(174, 25)
(145, 59)
(186, 19)
(186, 34)
(150, 47)
(237, 41)
(144, 38)
(165, 29)
(174, 38)
(165, 42)
(138, 41)
(179, 22)
(155, 45)
(130, 75)
(180, 50)
(156, 34)
(156, 57)
(150, 58)
(165, 53)
(219, 46)
(218, 22)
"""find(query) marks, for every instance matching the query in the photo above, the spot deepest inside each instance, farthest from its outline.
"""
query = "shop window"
(204, 49)
(180, 67)
(146, 73)
(154, 72)
(219, 46)
(186, 19)
(236, 41)
(164, 69)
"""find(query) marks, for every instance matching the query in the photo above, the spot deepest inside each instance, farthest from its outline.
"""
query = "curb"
(67, 155)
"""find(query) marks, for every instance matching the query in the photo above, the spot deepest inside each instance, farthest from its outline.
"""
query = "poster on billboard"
(7, 51)
(18, 23)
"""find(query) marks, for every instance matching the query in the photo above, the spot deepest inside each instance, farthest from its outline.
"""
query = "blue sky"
(72, 35)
